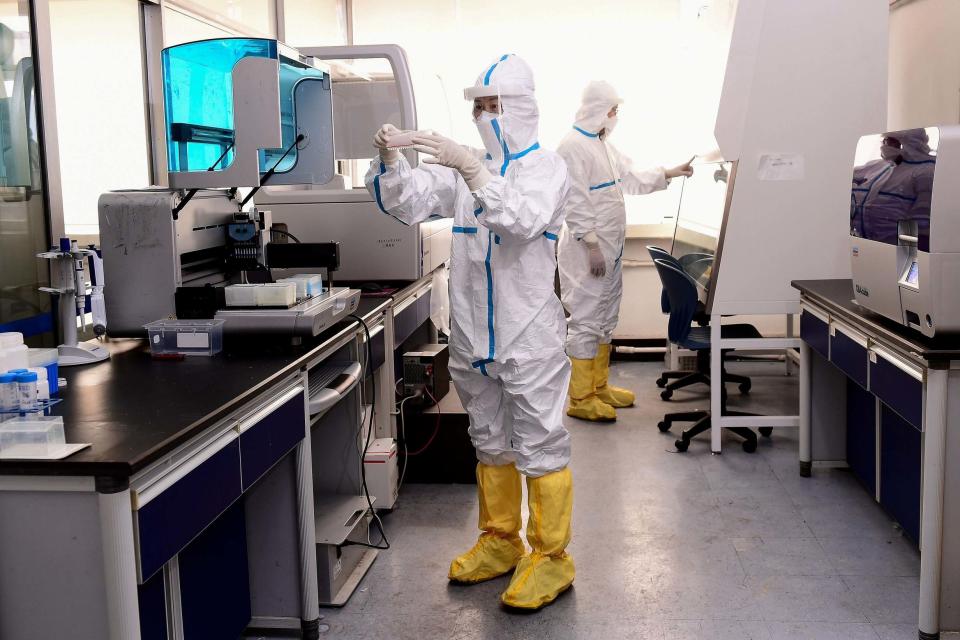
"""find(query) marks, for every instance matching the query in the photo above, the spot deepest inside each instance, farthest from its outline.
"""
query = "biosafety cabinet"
(371, 86)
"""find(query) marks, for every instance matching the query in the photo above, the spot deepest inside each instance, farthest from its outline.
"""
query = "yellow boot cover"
(584, 403)
(499, 548)
(548, 571)
(613, 396)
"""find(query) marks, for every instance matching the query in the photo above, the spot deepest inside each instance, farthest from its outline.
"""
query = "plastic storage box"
(277, 294)
(300, 283)
(31, 436)
(241, 295)
(185, 337)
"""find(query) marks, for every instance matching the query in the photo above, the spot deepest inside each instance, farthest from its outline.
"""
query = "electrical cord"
(285, 233)
(368, 358)
(436, 428)
(403, 437)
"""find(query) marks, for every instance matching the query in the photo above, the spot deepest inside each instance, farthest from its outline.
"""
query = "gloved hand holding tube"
(448, 153)
(387, 156)
(598, 264)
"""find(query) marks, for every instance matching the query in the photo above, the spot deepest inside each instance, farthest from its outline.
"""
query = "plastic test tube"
(9, 400)
(27, 391)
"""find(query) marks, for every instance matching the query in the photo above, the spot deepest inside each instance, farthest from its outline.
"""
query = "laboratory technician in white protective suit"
(507, 325)
(591, 248)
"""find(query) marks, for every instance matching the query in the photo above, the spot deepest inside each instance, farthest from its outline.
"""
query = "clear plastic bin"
(185, 337)
(31, 436)
(241, 295)
(277, 294)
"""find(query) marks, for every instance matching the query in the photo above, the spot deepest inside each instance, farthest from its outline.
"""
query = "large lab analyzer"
(905, 228)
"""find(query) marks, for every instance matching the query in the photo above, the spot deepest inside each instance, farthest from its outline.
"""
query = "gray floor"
(667, 545)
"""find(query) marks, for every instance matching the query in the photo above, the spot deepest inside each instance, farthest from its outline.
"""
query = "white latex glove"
(387, 156)
(681, 170)
(598, 265)
(448, 153)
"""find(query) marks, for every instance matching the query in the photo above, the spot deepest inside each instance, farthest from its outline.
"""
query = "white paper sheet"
(781, 166)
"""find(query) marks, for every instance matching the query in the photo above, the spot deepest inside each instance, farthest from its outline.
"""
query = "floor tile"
(767, 556)
(821, 631)
(805, 599)
(895, 555)
(886, 600)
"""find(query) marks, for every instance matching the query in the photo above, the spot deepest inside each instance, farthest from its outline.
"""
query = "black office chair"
(681, 292)
(692, 263)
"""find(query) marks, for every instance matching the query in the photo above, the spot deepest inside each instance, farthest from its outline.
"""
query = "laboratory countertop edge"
(135, 409)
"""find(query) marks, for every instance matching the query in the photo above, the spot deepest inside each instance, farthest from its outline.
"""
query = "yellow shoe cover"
(492, 556)
(499, 548)
(616, 397)
(548, 571)
(584, 403)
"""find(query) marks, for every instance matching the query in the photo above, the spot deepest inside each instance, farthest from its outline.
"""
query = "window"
(101, 115)
(23, 231)
(314, 23)
(249, 17)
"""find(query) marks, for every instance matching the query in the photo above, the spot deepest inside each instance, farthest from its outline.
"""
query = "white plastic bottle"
(13, 353)
(43, 385)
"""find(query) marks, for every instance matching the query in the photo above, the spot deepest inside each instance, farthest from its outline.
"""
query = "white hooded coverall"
(507, 325)
(599, 176)
(894, 189)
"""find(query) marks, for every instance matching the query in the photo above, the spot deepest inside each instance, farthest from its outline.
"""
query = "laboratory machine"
(240, 112)
(371, 85)
(905, 229)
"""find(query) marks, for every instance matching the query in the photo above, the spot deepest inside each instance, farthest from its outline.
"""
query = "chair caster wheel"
(661, 382)
(745, 387)
(749, 446)
(766, 431)
(666, 394)
(681, 445)
(664, 426)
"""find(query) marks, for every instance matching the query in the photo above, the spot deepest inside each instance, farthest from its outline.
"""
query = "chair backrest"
(681, 291)
(697, 268)
(688, 259)
(657, 253)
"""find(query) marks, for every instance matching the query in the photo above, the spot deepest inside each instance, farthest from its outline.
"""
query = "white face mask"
(890, 153)
(609, 124)
(491, 142)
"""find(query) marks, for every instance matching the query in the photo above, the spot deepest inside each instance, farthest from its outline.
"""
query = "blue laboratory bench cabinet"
(885, 401)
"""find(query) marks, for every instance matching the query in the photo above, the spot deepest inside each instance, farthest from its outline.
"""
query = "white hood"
(598, 98)
(516, 129)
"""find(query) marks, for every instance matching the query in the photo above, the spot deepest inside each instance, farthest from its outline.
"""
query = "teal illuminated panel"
(292, 73)
(198, 97)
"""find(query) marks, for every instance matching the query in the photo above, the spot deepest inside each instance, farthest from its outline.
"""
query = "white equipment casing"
(374, 246)
(380, 468)
(880, 270)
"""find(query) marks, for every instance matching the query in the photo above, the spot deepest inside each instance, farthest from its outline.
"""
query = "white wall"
(924, 64)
